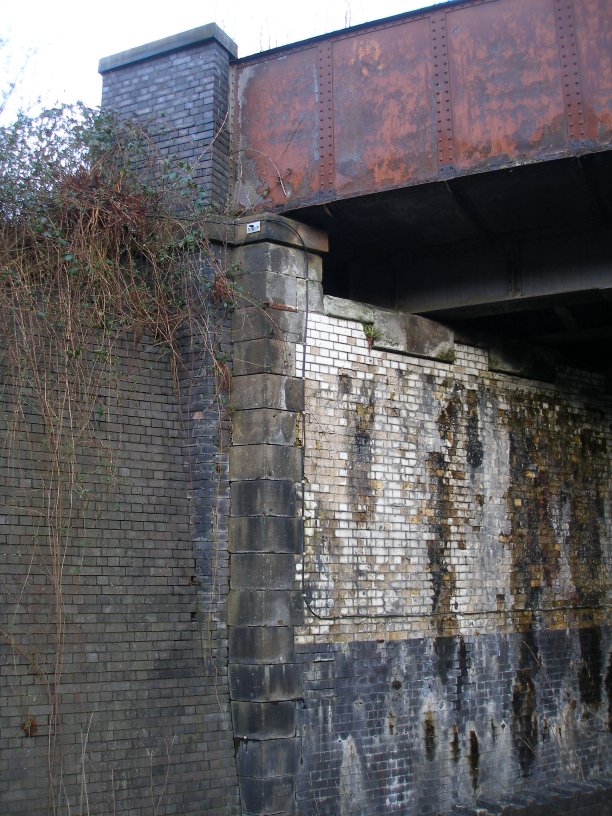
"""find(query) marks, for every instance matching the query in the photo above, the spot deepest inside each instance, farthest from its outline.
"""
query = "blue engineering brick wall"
(416, 726)
(143, 694)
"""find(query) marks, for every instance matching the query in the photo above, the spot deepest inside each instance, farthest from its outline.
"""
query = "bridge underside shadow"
(522, 253)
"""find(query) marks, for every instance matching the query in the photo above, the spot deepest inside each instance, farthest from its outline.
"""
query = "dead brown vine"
(100, 245)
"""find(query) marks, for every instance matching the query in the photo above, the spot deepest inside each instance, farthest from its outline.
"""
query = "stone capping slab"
(272, 227)
(397, 332)
(176, 42)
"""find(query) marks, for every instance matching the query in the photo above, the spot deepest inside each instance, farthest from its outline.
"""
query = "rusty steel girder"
(455, 89)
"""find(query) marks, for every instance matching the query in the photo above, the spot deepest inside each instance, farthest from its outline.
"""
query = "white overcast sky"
(54, 47)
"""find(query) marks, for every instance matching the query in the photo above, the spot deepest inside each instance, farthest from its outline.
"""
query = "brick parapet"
(265, 534)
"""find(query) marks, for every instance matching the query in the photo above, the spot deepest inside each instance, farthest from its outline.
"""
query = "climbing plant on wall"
(102, 242)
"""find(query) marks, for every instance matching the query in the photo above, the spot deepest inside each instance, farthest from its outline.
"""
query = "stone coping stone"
(176, 42)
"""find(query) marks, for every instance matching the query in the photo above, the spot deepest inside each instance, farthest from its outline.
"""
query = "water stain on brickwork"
(558, 471)
(444, 647)
(361, 489)
(474, 760)
(344, 384)
(429, 731)
(535, 555)
(462, 674)
(588, 468)
(474, 448)
(454, 744)
(438, 547)
(589, 675)
(609, 692)
(353, 791)
(524, 705)
(458, 428)
(448, 420)
(318, 562)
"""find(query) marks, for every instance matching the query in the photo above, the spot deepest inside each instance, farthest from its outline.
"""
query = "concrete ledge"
(393, 331)
(196, 36)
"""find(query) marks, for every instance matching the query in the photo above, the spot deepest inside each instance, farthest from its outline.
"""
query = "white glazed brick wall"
(393, 479)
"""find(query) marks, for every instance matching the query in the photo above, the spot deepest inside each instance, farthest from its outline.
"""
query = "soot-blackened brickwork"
(414, 727)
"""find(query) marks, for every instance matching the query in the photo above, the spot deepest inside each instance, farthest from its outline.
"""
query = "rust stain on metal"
(479, 85)
(276, 136)
(505, 83)
(384, 109)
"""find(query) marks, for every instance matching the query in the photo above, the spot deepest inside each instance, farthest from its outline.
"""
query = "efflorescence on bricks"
(446, 491)
(455, 569)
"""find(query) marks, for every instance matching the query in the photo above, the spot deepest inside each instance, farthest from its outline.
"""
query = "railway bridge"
(389, 593)
(458, 158)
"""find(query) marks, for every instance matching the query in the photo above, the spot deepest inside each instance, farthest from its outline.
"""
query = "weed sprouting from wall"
(102, 243)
